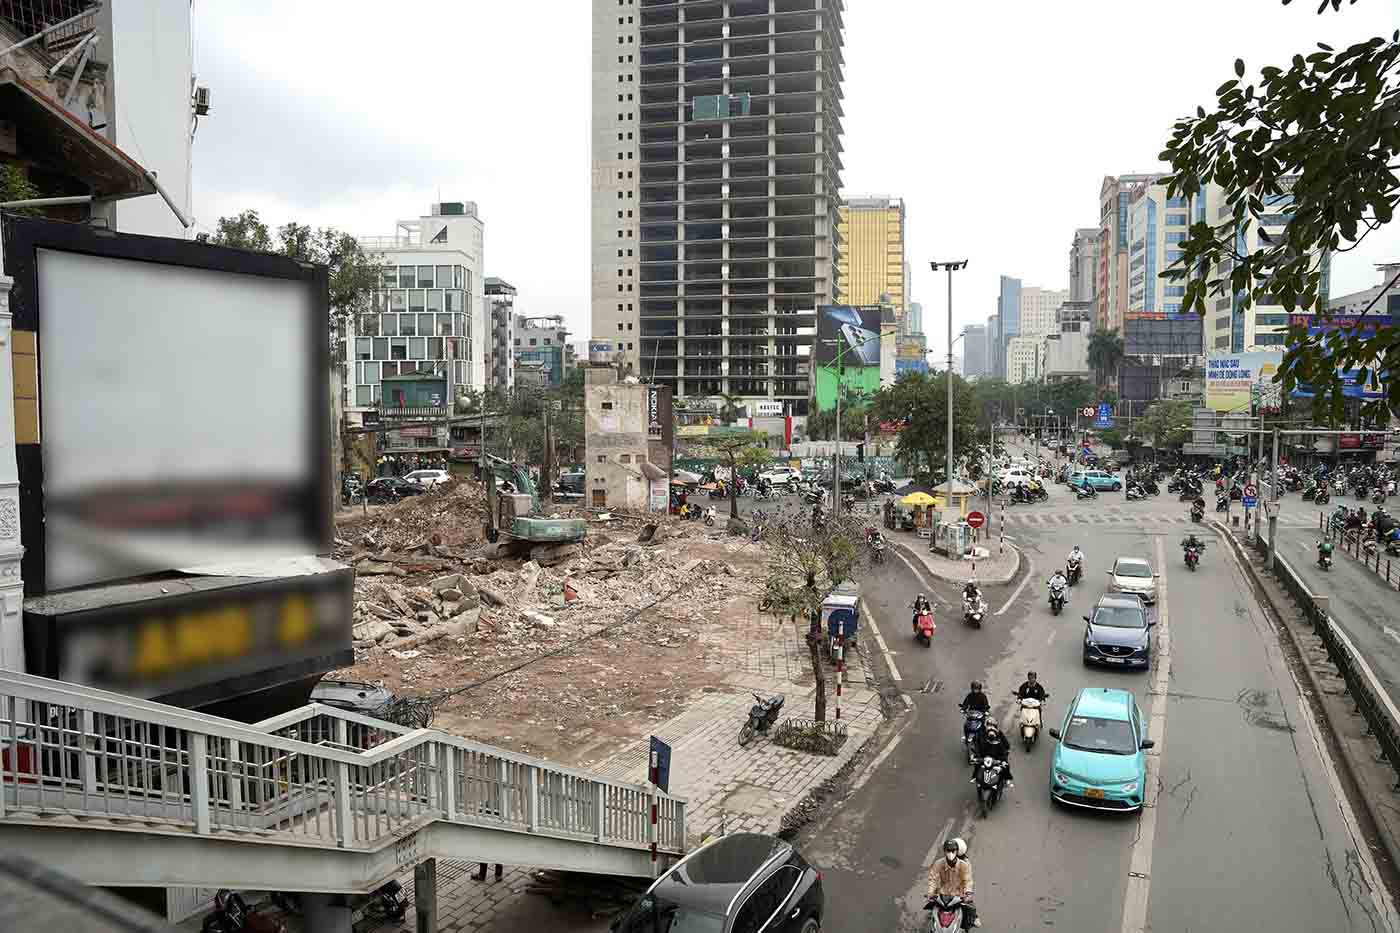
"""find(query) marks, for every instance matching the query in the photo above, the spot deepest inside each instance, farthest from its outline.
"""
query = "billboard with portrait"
(848, 340)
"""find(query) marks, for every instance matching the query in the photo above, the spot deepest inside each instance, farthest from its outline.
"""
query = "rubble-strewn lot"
(437, 609)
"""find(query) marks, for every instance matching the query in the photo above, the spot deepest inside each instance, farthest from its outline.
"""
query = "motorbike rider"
(1058, 580)
(1076, 556)
(976, 699)
(971, 592)
(1032, 689)
(991, 743)
(1198, 504)
(951, 876)
(1191, 541)
(921, 606)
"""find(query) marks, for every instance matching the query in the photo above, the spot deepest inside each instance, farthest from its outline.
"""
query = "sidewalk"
(993, 569)
(1374, 778)
(743, 789)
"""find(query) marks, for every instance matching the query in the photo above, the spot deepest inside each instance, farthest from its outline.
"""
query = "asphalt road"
(1363, 605)
(1248, 822)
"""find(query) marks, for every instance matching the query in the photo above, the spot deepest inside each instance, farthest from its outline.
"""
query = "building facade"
(1038, 308)
(872, 267)
(715, 180)
(975, 351)
(427, 316)
(996, 365)
(499, 345)
(1008, 322)
(1382, 298)
(543, 343)
(1065, 352)
(1116, 196)
(627, 434)
(914, 319)
(1023, 358)
(1084, 264)
(146, 107)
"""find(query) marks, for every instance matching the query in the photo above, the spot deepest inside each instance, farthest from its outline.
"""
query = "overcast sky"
(996, 122)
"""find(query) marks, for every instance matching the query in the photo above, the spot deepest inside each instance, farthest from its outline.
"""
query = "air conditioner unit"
(201, 101)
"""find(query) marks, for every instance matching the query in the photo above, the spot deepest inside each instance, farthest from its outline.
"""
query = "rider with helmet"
(992, 743)
(976, 699)
(951, 876)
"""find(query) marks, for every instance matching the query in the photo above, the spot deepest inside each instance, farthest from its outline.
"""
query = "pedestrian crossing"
(1128, 518)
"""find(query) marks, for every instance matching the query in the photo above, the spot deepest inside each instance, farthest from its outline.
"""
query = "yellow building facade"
(872, 253)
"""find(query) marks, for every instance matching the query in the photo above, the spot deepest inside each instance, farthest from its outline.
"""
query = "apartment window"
(546, 341)
(532, 341)
(1176, 220)
(1174, 291)
(389, 325)
(1174, 255)
(407, 276)
(408, 325)
(619, 323)
(624, 458)
(381, 348)
(364, 347)
(417, 299)
(1270, 340)
(517, 341)
(425, 276)
(607, 406)
(398, 348)
(629, 326)
(1177, 203)
(1176, 237)
(1270, 320)
(1222, 322)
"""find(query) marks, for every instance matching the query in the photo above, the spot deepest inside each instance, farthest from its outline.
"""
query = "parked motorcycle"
(1322, 498)
(1057, 597)
(989, 783)
(762, 716)
(973, 720)
(388, 903)
(232, 915)
(1030, 722)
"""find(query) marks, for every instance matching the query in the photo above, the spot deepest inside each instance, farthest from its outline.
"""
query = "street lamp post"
(840, 362)
(951, 267)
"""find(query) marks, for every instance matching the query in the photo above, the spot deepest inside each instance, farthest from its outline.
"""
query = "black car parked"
(741, 883)
(392, 489)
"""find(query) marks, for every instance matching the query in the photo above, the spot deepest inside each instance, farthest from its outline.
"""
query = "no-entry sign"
(976, 519)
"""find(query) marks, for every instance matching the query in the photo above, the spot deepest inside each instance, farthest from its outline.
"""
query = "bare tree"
(805, 564)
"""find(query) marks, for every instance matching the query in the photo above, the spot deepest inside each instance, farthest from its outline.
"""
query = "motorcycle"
(1073, 571)
(972, 728)
(232, 915)
(1057, 598)
(1030, 721)
(762, 716)
(1151, 488)
(1324, 555)
(1135, 492)
(877, 550)
(989, 783)
(1087, 491)
(1377, 496)
(924, 628)
(1222, 503)
(1197, 513)
(710, 517)
(1192, 556)
(974, 610)
(814, 496)
(1309, 493)
(1323, 498)
(947, 912)
(387, 902)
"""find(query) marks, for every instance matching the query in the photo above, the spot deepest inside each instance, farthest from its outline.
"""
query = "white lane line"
(871, 768)
(1375, 884)
(1140, 864)
(931, 590)
(1030, 570)
(936, 850)
(880, 640)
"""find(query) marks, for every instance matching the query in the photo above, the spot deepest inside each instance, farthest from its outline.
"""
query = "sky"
(995, 122)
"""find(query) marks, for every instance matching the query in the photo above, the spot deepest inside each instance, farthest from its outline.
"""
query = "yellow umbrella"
(919, 498)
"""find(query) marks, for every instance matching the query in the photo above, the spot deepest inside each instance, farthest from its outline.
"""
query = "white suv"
(428, 478)
(781, 476)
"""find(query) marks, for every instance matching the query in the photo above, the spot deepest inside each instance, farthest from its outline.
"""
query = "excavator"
(515, 515)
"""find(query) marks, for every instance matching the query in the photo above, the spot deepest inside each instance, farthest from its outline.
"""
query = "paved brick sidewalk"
(993, 569)
(745, 789)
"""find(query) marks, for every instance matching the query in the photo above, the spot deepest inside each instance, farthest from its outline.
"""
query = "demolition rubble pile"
(424, 573)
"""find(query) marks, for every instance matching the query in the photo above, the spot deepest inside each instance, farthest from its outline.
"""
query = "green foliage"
(16, 186)
(805, 565)
(1321, 130)
(354, 274)
(855, 409)
(1105, 353)
(922, 400)
(736, 451)
(1166, 424)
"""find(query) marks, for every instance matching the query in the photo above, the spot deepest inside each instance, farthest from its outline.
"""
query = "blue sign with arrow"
(1105, 416)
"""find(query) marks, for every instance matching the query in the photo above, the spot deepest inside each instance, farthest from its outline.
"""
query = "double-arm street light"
(952, 267)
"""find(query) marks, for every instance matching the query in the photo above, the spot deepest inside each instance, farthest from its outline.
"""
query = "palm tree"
(729, 409)
(1105, 354)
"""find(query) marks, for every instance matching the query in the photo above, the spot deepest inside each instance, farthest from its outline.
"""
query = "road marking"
(1140, 863)
(1390, 633)
(931, 593)
(936, 849)
(1030, 569)
(880, 640)
(874, 765)
(1376, 886)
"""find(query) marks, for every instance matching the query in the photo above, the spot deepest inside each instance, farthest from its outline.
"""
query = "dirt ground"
(598, 676)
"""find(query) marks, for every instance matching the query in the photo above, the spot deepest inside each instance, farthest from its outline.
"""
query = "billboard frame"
(23, 237)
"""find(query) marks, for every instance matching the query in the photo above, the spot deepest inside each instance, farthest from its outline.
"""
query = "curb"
(999, 580)
(1344, 748)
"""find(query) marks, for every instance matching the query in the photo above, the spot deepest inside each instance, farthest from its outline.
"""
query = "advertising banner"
(1237, 382)
(848, 339)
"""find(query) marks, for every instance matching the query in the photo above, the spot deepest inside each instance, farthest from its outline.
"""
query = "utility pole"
(1273, 512)
(836, 471)
(951, 267)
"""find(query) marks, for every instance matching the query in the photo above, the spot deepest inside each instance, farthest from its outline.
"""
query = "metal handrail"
(317, 774)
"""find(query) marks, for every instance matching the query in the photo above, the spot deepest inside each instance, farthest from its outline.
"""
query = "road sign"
(661, 765)
(1104, 418)
(1250, 502)
(976, 519)
(1087, 412)
(1250, 492)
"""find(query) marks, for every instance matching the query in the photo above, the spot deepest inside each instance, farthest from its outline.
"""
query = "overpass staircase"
(120, 791)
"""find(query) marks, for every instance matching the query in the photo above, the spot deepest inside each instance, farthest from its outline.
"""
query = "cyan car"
(1099, 479)
(1099, 761)
(1118, 633)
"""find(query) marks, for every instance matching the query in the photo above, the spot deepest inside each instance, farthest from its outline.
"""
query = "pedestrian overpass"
(120, 791)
